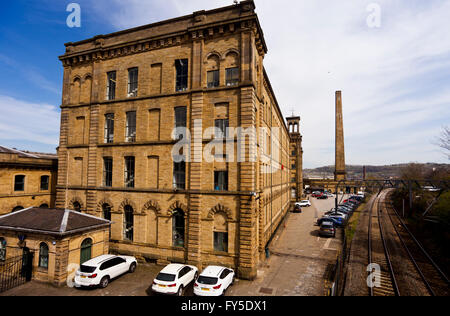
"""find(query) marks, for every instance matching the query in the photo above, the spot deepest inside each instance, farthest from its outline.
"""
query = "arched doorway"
(17, 208)
(86, 250)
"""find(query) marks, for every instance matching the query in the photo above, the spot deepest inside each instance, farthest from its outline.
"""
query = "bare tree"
(444, 140)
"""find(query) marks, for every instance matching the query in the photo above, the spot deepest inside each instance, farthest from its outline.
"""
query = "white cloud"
(391, 77)
(24, 122)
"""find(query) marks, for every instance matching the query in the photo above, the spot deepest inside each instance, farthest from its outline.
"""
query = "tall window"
(132, 82)
(128, 223)
(221, 180)
(45, 180)
(220, 233)
(131, 127)
(180, 120)
(213, 78)
(179, 175)
(19, 183)
(109, 128)
(181, 66)
(178, 228)
(232, 76)
(222, 126)
(129, 172)
(43, 256)
(111, 86)
(106, 208)
(2, 250)
(86, 250)
(107, 172)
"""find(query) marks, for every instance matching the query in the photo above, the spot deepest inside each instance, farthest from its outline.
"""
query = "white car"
(101, 270)
(338, 214)
(305, 203)
(214, 281)
(174, 278)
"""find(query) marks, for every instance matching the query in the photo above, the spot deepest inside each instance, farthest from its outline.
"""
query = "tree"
(444, 140)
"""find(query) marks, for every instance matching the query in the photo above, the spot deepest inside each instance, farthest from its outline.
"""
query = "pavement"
(299, 258)
(296, 267)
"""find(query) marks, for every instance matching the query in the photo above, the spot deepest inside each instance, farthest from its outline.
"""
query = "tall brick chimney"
(339, 173)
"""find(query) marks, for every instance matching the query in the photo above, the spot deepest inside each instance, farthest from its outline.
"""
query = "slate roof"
(27, 154)
(56, 222)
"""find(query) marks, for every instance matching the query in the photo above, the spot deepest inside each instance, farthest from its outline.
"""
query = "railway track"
(379, 255)
(432, 276)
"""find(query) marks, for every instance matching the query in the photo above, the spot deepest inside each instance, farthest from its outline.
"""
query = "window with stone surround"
(111, 85)
(232, 76)
(221, 180)
(45, 181)
(178, 228)
(109, 128)
(182, 67)
(220, 232)
(130, 136)
(129, 172)
(128, 223)
(19, 183)
(43, 256)
(107, 171)
(179, 175)
(133, 82)
(213, 78)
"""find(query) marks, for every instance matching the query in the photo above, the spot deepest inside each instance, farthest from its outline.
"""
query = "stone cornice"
(205, 31)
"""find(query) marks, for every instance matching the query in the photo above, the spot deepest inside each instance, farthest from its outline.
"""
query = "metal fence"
(15, 271)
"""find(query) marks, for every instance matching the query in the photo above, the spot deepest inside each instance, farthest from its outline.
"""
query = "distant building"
(26, 180)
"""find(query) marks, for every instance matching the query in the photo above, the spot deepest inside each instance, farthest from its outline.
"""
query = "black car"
(323, 197)
(297, 208)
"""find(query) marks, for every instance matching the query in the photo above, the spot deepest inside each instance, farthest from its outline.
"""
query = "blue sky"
(395, 78)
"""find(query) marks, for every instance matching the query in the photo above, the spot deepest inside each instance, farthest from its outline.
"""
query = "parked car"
(316, 194)
(329, 194)
(327, 229)
(101, 270)
(174, 278)
(338, 222)
(305, 203)
(322, 197)
(297, 208)
(338, 213)
(214, 281)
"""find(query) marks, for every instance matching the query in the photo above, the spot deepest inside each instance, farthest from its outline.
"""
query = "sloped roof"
(27, 154)
(56, 222)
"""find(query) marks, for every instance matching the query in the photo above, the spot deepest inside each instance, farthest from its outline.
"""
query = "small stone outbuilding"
(59, 239)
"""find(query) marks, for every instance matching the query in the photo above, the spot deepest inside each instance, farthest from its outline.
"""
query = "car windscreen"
(327, 226)
(87, 269)
(165, 277)
(207, 280)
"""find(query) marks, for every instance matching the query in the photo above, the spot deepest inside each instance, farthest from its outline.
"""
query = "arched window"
(76, 206)
(220, 232)
(43, 256)
(178, 228)
(106, 208)
(2, 249)
(44, 206)
(17, 208)
(86, 250)
(128, 223)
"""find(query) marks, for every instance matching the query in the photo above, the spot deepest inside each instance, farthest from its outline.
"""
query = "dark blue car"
(339, 222)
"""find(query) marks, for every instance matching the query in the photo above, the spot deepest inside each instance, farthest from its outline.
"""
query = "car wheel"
(104, 282)
(132, 267)
(180, 291)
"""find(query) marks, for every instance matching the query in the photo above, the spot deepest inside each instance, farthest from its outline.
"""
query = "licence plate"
(205, 289)
(162, 285)
(83, 277)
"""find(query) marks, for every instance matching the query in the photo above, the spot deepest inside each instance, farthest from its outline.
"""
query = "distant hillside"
(383, 172)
